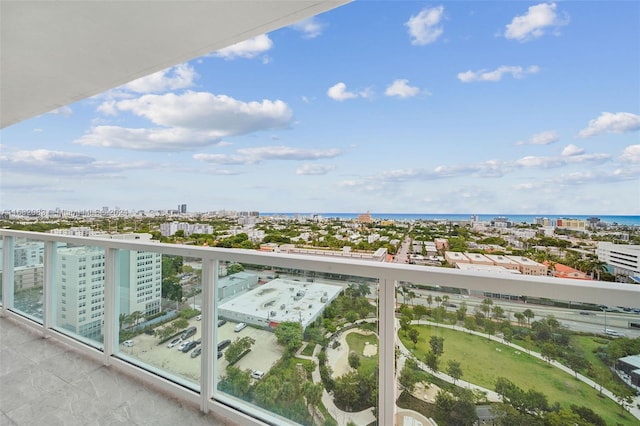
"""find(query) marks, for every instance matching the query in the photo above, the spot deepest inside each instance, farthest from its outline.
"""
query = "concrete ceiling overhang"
(53, 53)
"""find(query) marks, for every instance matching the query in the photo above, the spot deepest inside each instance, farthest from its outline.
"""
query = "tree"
(437, 345)
(238, 348)
(486, 306)
(234, 268)
(489, 328)
(289, 335)
(419, 311)
(429, 300)
(461, 313)
(520, 317)
(577, 362)
(313, 394)
(354, 360)
(454, 370)
(528, 314)
(405, 323)
(236, 382)
(548, 351)
(413, 335)
(432, 361)
(408, 375)
(498, 312)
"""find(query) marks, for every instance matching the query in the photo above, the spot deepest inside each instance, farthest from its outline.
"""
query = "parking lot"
(264, 353)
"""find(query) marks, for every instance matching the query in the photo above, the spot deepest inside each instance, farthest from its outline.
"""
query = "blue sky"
(397, 107)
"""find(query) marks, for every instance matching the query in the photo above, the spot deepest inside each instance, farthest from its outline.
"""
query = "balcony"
(115, 313)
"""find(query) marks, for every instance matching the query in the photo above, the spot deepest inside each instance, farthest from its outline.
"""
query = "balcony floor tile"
(44, 381)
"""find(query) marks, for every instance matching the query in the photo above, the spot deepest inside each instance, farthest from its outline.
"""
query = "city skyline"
(409, 107)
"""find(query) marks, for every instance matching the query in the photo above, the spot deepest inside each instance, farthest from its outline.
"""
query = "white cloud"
(571, 150)
(143, 139)
(608, 122)
(339, 92)
(174, 78)
(631, 154)
(310, 27)
(496, 75)
(573, 155)
(543, 138)
(425, 28)
(46, 162)
(246, 49)
(535, 22)
(314, 169)
(401, 89)
(259, 154)
(63, 110)
(188, 120)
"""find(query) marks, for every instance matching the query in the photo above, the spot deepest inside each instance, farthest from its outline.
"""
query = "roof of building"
(633, 360)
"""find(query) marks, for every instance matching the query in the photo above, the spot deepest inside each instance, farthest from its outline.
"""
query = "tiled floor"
(44, 382)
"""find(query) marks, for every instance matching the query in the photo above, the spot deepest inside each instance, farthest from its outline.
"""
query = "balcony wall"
(103, 297)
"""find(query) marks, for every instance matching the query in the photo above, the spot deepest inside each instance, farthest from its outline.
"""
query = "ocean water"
(517, 218)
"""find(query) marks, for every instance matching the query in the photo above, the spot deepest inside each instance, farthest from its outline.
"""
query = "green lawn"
(484, 361)
(356, 342)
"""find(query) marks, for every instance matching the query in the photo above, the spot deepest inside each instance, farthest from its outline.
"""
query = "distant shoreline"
(516, 218)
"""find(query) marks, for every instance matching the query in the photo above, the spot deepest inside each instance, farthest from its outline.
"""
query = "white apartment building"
(80, 286)
(623, 259)
(168, 229)
(79, 231)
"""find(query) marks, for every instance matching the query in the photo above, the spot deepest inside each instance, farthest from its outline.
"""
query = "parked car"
(257, 374)
(183, 344)
(190, 345)
(128, 343)
(221, 322)
(219, 354)
(199, 318)
(197, 351)
(223, 344)
(240, 327)
(188, 333)
(174, 342)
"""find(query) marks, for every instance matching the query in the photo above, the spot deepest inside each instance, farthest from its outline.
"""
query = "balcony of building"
(88, 334)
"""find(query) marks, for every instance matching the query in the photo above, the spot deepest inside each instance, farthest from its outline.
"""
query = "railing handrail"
(566, 289)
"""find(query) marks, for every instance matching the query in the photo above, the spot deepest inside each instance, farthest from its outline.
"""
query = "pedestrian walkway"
(363, 417)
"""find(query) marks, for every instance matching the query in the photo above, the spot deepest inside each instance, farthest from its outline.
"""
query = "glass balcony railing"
(293, 339)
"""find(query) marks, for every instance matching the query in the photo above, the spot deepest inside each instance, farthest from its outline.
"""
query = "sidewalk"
(364, 417)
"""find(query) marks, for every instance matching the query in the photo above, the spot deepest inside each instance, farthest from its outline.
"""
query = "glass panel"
(159, 313)
(298, 345)
(1, 260)
(78, 296)
(28, 277)
(510, 358)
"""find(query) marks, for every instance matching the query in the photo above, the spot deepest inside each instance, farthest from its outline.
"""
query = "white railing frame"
(387, 275)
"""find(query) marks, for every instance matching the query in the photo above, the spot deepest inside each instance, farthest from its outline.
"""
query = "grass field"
(483, 361)
(356, 342)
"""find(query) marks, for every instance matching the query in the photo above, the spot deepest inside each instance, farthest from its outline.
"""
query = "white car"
(240, 327)
(183, 344)
(174, 342)
(613, 333)
(128, 343)
(257, 374)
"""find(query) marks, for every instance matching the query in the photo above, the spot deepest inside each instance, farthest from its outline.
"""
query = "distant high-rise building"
(182, 208)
